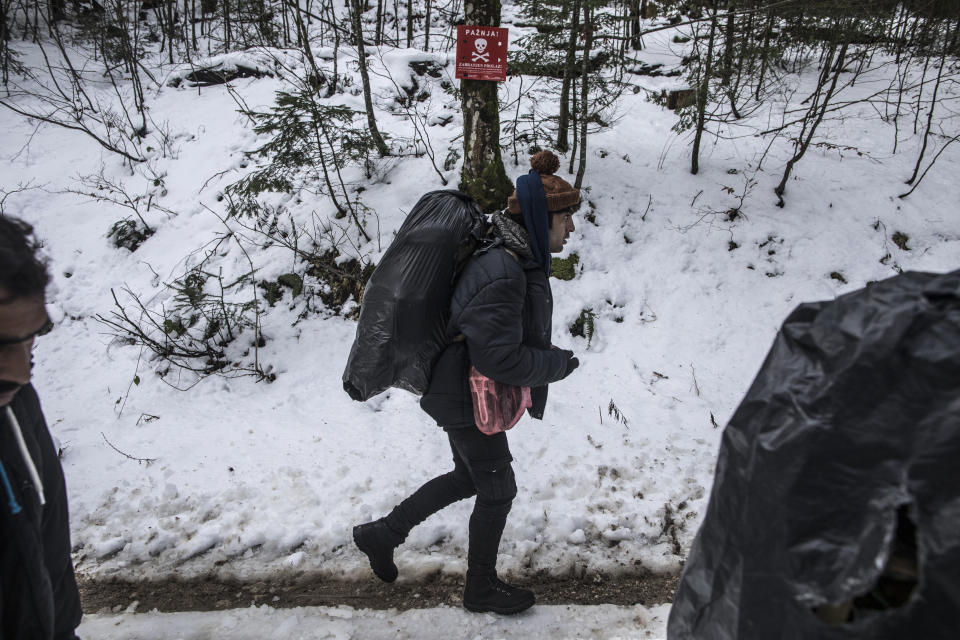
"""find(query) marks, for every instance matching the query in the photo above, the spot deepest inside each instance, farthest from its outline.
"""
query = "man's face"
(561, 228)
(21, 319)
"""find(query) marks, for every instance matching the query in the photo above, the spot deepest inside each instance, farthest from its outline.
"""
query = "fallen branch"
(929, 166)
(127, 455)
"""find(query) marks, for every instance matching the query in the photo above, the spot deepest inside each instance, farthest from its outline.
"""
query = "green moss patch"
(564, 268)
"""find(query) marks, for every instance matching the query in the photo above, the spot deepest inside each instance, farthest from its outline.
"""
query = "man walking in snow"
(501, 319)
(38, 592)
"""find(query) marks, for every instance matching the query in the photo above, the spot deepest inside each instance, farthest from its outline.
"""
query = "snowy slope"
(263, 478)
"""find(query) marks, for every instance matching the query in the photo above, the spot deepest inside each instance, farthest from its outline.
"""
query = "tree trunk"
(816, 112)
(378, 37)
(396, 23)
(729, 36)
(5, 36)
(764, 54)
(57, 10)
(923, 82)
(483, 176)
(933, 106)
(382, 148)
(193, 28)
(315, 75)
(635, 14)
(584, 92)
(569, 71)
(226, 24)
(335, 79)
(900, 31)
(203, 26)
(409, 23)
(702, 90)
(158, 13)
(576, 136)
(733, 91)
(426, 27)
(171, 27)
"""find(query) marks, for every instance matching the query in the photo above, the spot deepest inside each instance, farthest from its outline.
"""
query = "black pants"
(481, 467)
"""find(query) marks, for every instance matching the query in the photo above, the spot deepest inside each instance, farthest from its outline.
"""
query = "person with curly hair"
(39, 599)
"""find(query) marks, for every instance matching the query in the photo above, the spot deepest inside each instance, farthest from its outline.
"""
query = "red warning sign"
(481, 53)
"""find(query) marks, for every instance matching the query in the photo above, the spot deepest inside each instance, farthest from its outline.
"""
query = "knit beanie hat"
(560, 194)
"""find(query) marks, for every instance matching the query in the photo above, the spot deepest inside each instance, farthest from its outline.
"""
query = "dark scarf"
(514, 236)
(533, 204)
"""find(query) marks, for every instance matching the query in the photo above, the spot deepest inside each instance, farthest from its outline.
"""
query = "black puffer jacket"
(38, 592)
(503, 307)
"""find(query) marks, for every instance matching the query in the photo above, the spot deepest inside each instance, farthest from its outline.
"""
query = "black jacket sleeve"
(56, 534)
(54, 521)
(491, 319)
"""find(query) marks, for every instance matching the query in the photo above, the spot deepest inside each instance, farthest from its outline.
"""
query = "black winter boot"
(489, 593)
(378, 541)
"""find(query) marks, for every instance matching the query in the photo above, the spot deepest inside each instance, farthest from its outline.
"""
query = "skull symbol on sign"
(480, 44)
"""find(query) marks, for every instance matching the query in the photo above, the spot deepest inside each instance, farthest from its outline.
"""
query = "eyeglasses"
(46, 328)
(42, 331)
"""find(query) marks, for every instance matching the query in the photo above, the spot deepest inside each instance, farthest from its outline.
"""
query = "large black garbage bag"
(406, 304)
(854, 417)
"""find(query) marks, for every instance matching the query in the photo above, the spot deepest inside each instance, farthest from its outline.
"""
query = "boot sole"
(508, 611)
(367, 552)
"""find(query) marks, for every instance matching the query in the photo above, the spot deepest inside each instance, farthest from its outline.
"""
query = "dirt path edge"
(213, 594)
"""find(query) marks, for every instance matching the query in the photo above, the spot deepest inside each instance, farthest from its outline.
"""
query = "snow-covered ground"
(343, 623)
(251, 479)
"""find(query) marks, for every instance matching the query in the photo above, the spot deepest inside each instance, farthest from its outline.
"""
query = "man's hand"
(572, 363)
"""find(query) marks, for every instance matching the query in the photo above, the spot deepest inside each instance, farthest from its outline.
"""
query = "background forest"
(215, 181)
(94, 68)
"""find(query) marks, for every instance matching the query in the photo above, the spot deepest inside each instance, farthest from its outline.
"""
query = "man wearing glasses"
(39, 599)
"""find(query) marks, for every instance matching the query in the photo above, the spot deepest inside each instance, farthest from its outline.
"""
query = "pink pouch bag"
(496, 406)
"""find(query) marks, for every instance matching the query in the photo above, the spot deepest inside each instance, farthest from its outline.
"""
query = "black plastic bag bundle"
(406, 303)
(853, 419)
